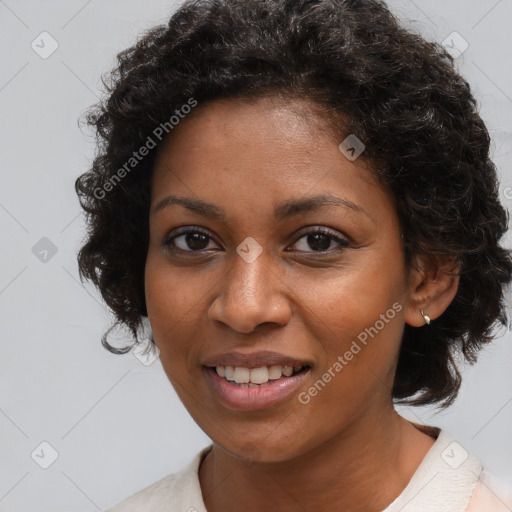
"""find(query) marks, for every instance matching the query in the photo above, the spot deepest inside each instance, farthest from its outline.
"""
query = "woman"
(299, 197)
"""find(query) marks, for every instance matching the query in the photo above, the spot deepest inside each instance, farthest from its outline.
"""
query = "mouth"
(241, 388)
(255, 377)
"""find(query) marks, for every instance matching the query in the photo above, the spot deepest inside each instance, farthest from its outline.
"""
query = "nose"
(252, 294)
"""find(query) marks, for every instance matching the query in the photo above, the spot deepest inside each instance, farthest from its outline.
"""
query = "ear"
(433, 284)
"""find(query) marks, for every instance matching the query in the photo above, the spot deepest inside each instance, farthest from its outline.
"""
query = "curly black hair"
(370, 76)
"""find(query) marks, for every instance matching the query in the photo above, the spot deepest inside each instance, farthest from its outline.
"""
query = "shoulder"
(491, 495)
(450, 479)
(149, 498)
(178, 491)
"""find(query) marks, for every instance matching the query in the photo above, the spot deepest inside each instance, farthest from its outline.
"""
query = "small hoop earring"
(425, 317)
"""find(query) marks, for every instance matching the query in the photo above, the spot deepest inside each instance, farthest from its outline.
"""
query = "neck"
(363, 469)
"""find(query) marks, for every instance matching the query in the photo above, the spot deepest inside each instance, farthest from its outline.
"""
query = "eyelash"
(321, 230)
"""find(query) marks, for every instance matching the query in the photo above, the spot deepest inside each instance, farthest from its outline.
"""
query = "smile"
(256, 376)
(245, 389)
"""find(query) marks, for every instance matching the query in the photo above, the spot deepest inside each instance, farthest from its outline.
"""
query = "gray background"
(117, 425)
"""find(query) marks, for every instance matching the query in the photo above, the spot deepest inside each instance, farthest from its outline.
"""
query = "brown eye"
(190, 240)
(320, 240)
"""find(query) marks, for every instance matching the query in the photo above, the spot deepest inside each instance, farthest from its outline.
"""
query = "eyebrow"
(282, 210)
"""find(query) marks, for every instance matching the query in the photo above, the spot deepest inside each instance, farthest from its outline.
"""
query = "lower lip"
(243, 398)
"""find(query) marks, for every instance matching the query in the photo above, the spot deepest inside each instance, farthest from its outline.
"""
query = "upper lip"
(254, 360)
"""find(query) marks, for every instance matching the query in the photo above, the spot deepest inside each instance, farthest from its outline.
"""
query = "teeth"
(229, 372)
(274, 372)
(287, 371)
(255, 376)
(241, 375)
(259, 375)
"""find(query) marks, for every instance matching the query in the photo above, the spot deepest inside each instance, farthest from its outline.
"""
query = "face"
(246, 269)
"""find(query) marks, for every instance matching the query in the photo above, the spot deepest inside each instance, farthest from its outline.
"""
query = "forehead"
(259, 152)
(269, 122)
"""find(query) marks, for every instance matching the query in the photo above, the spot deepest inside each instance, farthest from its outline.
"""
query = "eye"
(320, 240)
(189, 240)
(196, 240)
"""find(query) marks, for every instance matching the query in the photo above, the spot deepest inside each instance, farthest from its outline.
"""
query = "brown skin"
(347, 449)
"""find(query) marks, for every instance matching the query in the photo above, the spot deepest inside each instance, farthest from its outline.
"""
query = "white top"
(449, 479)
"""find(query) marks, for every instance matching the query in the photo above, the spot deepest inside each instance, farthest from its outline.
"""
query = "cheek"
(172, 304)
(357, 314)
(353, 298)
